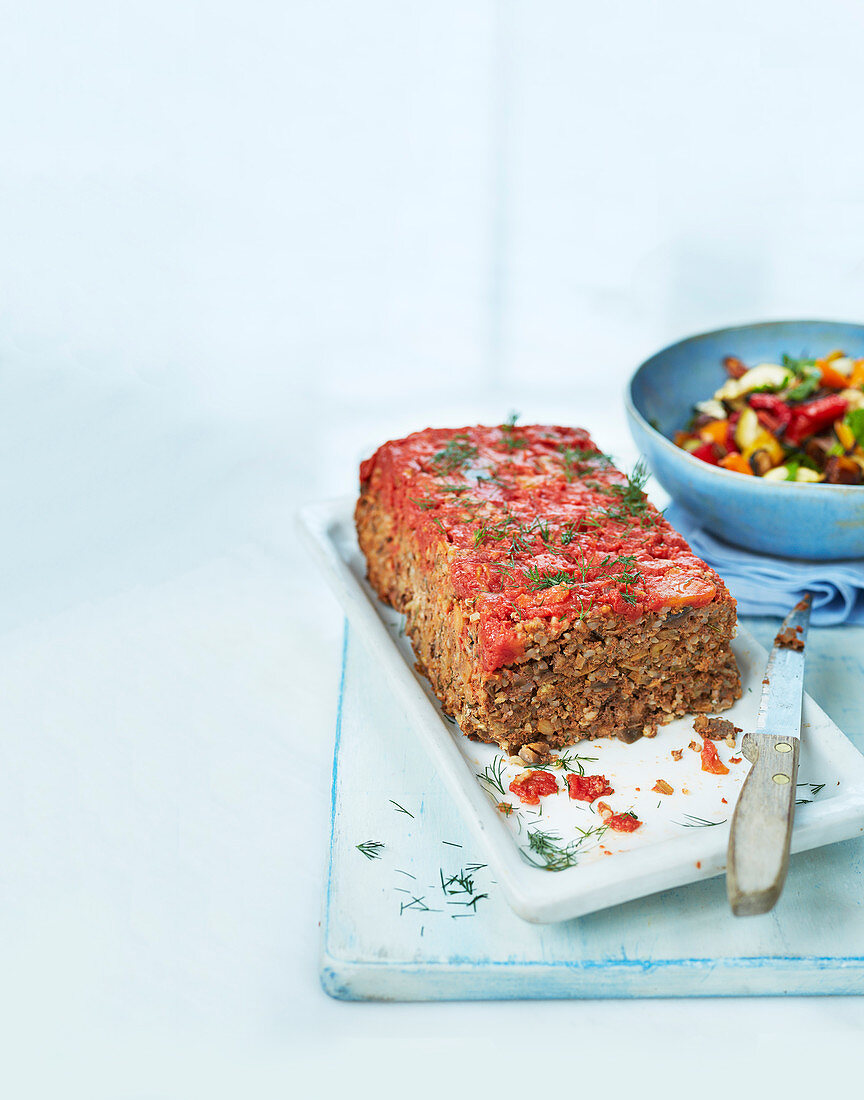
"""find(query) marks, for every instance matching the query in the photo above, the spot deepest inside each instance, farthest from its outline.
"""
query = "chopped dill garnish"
(371, 849)
(417, 903)
(399, 809)
(454, 456)
(492, 478)
(471, 902)
(568, 533)
(423, 505)
(453, 488)
(460, 883)
(521, 536)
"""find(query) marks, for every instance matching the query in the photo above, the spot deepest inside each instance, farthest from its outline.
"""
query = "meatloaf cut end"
(547, 601)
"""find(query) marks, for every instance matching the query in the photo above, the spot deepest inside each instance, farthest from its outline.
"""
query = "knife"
(758, 854)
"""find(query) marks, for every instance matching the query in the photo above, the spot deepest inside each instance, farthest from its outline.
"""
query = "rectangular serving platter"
(683, 837)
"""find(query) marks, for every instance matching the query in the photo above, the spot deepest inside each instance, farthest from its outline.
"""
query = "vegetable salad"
(799, 420)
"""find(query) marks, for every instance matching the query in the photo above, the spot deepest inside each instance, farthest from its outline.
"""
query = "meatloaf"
(546, 599)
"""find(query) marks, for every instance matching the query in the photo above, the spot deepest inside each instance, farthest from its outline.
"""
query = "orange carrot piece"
(831, 377)
(736, 462)
(856, 378)
(715, 431)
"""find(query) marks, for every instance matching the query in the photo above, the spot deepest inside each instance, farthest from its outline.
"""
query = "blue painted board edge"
(348, 979)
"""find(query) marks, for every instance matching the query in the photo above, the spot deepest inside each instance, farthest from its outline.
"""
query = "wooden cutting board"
(412, 914)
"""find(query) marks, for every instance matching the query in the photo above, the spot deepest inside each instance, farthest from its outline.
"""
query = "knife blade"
(758, 853)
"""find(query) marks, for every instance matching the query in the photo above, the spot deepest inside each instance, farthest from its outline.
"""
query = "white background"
(239, 244)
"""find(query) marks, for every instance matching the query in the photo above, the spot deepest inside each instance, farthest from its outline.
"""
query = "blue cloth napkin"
(765, 585)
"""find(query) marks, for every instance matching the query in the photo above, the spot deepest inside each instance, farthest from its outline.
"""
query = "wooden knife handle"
(758, 855)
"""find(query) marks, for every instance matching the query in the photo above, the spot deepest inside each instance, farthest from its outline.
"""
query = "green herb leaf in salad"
(809, 377)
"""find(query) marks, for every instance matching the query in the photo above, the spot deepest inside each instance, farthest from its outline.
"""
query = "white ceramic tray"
(683, 837)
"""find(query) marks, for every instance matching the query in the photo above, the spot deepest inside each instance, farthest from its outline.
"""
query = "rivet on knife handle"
(758, 855)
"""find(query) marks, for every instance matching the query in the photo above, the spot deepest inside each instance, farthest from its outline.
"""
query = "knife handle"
(758, 854)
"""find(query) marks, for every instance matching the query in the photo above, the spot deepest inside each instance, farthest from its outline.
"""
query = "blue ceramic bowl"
(796, 520)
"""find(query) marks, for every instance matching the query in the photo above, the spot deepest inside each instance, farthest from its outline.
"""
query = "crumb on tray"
(717, 729)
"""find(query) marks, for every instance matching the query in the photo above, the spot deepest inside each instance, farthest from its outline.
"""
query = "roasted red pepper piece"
(711, 762)
(731, 424)
(814, 416)
(588, 787)
(531, 786)
(707, 452)
(773, 412)
(623, 823)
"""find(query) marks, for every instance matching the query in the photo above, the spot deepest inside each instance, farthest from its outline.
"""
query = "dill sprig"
(576, 461)
(538, 579)
(693, 822)
(628, 575)
(545, 849)
(454, 456)
(424, 505)
(583, 610)
(399, 809)
(573, 762)
(510, 440)
(815, 788)
(492, 777)
(520, 535)
(508, 572)
(631, 499)
(371, 849)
